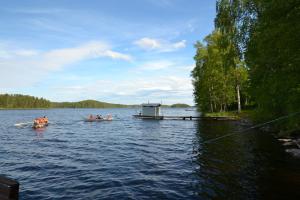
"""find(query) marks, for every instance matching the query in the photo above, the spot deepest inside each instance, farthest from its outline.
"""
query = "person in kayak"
(99, 117)
(40, 122)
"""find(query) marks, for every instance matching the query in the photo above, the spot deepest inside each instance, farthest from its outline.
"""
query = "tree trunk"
(238, 98)
(210, 99)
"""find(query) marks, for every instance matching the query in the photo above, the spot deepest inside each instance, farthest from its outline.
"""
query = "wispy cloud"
(159, 45)
(21, 67)
(156, 65)
(148, 43)
(13, 53)
(169, 66)
(134, 90)
(59, 58)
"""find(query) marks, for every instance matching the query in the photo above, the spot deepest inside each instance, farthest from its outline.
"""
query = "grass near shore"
(253, 116)
(231, 114)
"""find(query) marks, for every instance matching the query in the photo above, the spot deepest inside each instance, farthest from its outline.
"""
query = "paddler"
(99, 117)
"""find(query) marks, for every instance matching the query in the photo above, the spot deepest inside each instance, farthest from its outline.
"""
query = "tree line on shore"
(18, 101)
(251, 59)
(86, 104)
(11, 101)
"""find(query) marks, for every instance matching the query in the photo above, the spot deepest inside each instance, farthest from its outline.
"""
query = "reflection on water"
(243, 166)
(39, 132)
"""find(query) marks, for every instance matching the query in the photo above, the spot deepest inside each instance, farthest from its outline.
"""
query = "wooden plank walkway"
(184, 117)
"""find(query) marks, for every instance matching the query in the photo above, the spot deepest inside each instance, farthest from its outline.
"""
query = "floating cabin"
(150, 111)
(153, 111)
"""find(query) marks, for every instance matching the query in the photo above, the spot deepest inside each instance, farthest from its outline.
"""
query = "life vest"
(41, 120)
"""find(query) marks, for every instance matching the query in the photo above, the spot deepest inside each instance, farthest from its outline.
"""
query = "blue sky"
(129, 51)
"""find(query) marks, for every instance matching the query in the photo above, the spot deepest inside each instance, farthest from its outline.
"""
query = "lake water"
(130, 158)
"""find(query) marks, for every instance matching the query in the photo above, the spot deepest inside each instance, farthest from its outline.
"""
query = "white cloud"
(25, 67)
(170, 89)
(148, 43)
(12, 53)
(26, 52)
(179, 45)
(171, 66)
(159, 45)
(116, 55)
(187, 68)
(62, 57)
(156, 65)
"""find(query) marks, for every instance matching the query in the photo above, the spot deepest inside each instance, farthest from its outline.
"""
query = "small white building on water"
(150, 111)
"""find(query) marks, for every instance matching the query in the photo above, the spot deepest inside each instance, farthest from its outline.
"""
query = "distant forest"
(18, 101)
(86, 104)
(179, 105)
(8, 101)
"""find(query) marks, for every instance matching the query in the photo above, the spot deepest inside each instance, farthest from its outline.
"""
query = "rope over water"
(252, 127)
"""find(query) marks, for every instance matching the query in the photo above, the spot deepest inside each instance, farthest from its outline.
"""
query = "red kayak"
(40, 122)
(98, 118)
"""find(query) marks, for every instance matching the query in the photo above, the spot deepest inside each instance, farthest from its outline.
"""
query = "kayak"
(40, 122)
(96, 119)
(35, 126)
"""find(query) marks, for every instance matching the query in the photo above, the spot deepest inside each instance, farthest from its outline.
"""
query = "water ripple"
(129, 158)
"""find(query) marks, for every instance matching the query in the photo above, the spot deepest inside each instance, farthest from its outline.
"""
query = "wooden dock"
(9, 189)
(185, 118)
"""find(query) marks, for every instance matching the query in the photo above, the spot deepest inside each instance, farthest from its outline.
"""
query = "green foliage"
(180, 105)
(221, 114)
(86, 104)
(214, 77)
(273, 54)
(265, 36)
(22, 101)
(17, 101)
(228, 15)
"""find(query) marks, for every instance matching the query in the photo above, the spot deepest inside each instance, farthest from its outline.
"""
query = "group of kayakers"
(41, 122)
(96, 117)
(92, 118)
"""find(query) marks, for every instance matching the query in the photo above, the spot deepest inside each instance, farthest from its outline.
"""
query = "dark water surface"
(134, 159)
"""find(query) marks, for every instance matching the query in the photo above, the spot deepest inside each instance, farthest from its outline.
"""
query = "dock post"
(9, 189)
(191, 118)
(183, 118)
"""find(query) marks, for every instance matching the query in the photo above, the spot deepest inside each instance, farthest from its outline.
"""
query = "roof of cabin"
(151, 104)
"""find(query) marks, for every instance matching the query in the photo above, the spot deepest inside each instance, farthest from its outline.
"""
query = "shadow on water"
(249, 165)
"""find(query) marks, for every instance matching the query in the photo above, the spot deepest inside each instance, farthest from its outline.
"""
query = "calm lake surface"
(141, 159)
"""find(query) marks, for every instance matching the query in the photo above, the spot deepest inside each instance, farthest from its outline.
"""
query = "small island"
(180, 105)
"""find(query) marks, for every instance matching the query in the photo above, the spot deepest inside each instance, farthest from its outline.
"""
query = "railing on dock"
(9, 189)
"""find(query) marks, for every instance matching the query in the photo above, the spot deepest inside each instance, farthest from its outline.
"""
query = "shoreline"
(290, 140)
